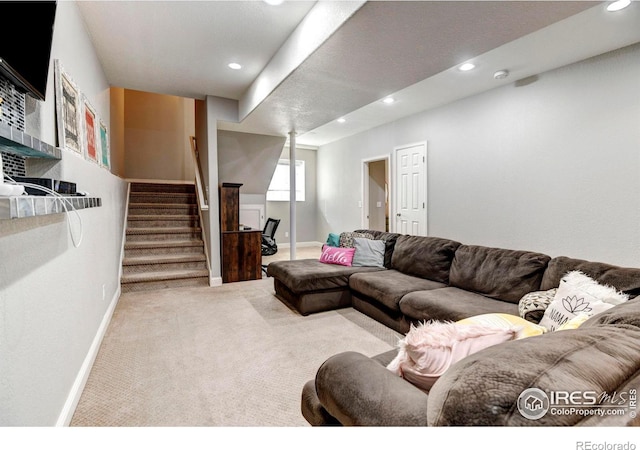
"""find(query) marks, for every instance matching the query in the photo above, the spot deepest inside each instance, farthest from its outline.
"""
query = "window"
(279, 187)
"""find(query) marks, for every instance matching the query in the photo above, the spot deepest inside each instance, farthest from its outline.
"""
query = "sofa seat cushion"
(497, 273)
(390, 286)
(310, 275)
(450, 303)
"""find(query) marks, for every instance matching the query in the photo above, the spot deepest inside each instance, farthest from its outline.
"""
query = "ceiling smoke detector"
(501, 74)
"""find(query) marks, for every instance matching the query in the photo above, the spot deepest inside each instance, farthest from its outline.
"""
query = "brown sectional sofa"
(311, 286)
(425, 278)
(483, 389)
(433, 278)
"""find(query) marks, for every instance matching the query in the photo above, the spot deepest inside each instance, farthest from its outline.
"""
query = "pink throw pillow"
(337, 255)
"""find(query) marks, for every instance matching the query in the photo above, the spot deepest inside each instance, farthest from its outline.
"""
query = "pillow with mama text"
(337, 255)
(429, 349)
(578, 294)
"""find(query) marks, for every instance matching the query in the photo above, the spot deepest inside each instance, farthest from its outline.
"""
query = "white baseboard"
(215, 281)
(64, 419)
(301, 244)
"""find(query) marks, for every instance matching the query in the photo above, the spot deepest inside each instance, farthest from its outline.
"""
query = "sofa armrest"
(358, 390)
(485, 388)
(312, 409)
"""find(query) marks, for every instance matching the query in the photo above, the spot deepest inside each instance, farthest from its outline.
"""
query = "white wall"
(55, 299)
(207, 115)
(550, 164)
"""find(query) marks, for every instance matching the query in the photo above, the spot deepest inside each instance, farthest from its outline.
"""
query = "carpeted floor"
(227, 356)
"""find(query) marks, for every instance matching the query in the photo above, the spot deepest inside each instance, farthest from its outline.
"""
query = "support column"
(292, 194)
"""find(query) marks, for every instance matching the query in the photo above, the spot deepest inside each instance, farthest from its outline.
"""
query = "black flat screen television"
(25, 54)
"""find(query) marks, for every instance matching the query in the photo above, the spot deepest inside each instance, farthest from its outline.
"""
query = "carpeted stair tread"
(162, 187)
(164, 275)
(161, 216)
(163, 244)
(161, 193)
(134, 205)
(163, 230)
(152, 197)
(163, 259)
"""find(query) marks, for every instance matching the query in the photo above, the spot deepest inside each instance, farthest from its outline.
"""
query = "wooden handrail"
(202, 193)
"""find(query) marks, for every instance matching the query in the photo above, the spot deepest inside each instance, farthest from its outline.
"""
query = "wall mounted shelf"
(33, 205)
(17, 142)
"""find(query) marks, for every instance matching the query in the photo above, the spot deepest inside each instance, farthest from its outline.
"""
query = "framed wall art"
(67, 110)
(90, 131)
(105, 160)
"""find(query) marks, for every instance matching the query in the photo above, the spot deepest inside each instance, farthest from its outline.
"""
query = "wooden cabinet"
(230, 207)
(241, 255)
(241, 249)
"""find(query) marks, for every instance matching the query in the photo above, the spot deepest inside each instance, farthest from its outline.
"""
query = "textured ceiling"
(387, 46)
(182, 48)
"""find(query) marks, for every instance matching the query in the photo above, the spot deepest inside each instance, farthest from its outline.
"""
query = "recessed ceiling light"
(342, 120)
(235, 66)
(273, 2)
(501, 74)
(388, 100)
(618, 5)
(466, 67)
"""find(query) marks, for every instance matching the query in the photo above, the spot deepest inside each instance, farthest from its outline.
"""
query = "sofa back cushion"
(624, 279)
(497, 273)
(627, 313)
(424, 257)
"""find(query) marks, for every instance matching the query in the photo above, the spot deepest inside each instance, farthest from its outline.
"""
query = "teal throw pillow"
(333, 240)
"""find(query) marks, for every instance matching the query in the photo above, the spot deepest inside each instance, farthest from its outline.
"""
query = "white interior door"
(411, 190)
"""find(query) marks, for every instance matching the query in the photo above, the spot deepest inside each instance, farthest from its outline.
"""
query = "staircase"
(163, 246)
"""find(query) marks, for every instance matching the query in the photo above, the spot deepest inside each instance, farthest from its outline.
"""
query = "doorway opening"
(376, 208)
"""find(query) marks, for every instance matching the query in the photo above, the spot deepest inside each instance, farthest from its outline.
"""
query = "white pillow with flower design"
(579, 294)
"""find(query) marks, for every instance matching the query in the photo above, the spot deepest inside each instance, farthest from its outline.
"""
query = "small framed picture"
(67, 110)
(90, 131)
(105, 160)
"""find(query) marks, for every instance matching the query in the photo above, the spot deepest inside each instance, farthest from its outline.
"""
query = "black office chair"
(269, 246)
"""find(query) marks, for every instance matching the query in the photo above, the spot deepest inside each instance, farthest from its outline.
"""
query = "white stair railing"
(203, 203)
(201, 197)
